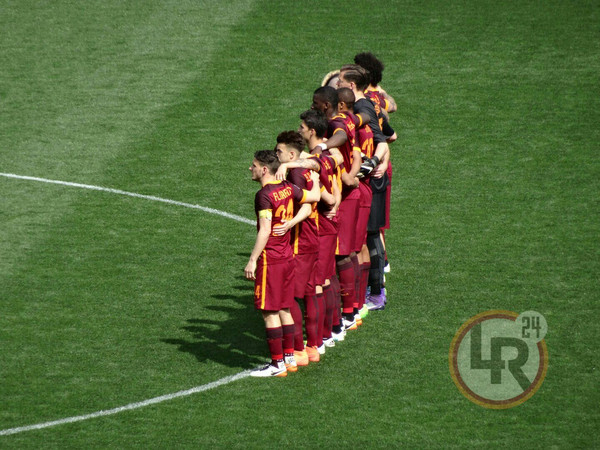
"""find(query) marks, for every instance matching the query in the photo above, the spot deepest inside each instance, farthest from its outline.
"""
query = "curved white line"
(152, 401)
(132, 194)
(108, 412)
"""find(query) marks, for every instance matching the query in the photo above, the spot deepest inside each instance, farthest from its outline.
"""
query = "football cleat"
(349, 324)
(313, 354)
(270, 370)
(321, 349)
(338, 336)
(358, 319)
(329, 342)
(376, 302)
(301, 357)
(290, 363)
(364, 311)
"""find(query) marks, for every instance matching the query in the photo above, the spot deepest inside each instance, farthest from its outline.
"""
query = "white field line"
(155, 400)
(129, 407)
(132, 194)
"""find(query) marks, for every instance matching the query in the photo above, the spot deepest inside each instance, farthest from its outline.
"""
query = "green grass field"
(108, 300)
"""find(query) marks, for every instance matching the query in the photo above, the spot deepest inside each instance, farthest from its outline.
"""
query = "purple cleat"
(376, 302)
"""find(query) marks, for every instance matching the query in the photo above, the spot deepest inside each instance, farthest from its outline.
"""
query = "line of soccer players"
(320, 215)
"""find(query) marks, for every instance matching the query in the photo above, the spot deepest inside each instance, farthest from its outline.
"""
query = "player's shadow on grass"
(230, 335)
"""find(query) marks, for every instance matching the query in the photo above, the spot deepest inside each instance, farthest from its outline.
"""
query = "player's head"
(265, 161)
(325, 99)
(346, 99)
(314, 123)
(372, 65)
(354, 77)
(331, 79)
(289, 146)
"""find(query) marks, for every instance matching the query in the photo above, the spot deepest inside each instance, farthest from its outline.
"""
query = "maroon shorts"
(347, 217)
(274, 285)
(326, 261)
(305, 268)
(364, 210)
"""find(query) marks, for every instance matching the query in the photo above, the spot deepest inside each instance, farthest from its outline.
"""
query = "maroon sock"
(364, 280)
(321, 322)
(311, 318)
(297, 316)
(274, 338)
(356, 266)
(329, 308)
(337, 301)
(347, 283)
(288, 339)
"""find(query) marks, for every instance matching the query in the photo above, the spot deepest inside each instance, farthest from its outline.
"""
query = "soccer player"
(365, 142)
(341, 134)
(386, 102)
(355, 78)
(271, 264)
(305, 241)
(374, 91)
(312, 128)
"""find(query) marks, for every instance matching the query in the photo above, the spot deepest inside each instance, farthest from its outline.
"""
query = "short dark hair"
(370, 62)
(356, 74)
(328, 94)
(347, 96)
(291, 138)
(315, 120)
(269, 159)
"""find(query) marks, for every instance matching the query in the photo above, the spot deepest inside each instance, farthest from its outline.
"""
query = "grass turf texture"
(109, 300)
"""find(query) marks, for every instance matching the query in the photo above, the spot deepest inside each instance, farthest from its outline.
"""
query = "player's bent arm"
(316, 187)
(337, 194)
(281, 173)
(336, 191)
(264, 230)
(327, 197)
(383, 165)
(301, 163)
(349, 180)
(339, 138)
(337, 155)
(381, 150)
(302, 214)
(391, 106)
(356, 162)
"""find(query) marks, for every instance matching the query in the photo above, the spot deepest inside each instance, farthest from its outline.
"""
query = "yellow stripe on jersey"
(296, 237)
(263, 282)
(304, 194)
(265, 214)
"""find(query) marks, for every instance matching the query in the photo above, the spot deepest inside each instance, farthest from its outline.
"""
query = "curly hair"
(373, 65)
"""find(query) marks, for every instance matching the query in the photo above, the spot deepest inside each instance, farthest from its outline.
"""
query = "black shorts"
(377, 216)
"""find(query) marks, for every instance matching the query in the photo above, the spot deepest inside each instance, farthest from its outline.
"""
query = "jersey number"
(285, 213)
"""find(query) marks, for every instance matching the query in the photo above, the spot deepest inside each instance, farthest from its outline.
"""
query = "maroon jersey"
(328, 168)
(276, 200)
(377, 97)
(380, 103)
(342, 122)
(305, 235)
(364, 135)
